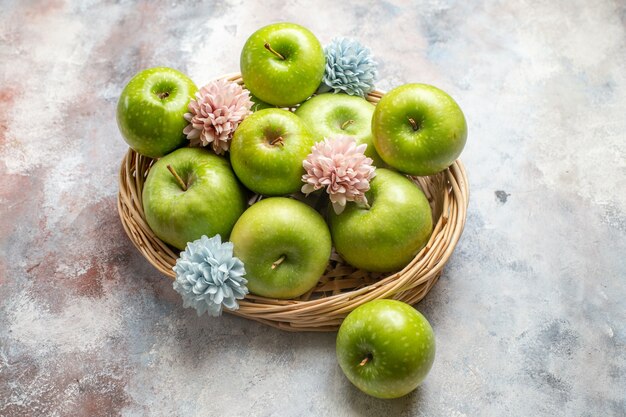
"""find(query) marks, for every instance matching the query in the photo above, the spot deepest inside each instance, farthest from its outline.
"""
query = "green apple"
(151, 109)
(259, 104)
(386, 348)
(267, 151)
(418, 129)
(388, 234)
(285, 246)
(340, 114)
(189, 193)
(282, 64)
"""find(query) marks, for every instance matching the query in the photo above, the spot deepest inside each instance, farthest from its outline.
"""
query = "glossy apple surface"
(282, 64)
(389, 234)
(211, 205)
(267, 151)
(418, 129)
(285, 246)
(386, 348)
(340, 114)
(151, 108)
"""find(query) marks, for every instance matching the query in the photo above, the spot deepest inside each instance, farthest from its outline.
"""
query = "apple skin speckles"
(281, 228)
(281, 82)
(265, 168)
(389, 234)
(152, 126)
(440, 135)
(213, 202)
(392, 368)
(331, 114)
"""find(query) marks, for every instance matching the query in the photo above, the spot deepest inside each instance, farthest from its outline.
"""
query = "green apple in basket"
(285, 246)
(151, 108)
(267, 151)
(388, 234)
(386, 348)
(259, 104)
(341, 114)
(418, 129)
(189, 193)
(282, 64)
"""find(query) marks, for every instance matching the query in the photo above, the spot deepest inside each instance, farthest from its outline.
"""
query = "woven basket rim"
(410, 284)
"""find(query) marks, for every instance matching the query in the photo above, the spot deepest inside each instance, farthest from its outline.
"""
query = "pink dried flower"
(340, 166)
(216, 112)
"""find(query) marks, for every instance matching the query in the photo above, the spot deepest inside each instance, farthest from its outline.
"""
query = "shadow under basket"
(342, 288)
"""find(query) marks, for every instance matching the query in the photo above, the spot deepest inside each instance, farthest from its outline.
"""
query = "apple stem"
(278, 262)
(163, 95)
(272, 50)
(413, 124)
(277, 141)
(364, 361)
(178, 178)
(346, 124)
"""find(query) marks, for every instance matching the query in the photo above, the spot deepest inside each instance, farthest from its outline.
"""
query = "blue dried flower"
(349, 68)
(208, 276)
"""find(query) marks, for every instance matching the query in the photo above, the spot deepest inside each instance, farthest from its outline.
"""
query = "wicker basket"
(342, 288)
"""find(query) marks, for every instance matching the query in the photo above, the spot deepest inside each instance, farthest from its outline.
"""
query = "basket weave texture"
(342, 288)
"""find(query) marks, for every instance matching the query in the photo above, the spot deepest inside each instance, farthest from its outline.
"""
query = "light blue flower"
(208, 276)
(349, 69)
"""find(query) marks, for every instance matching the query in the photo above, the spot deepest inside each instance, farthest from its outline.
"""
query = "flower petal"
(209, 277)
